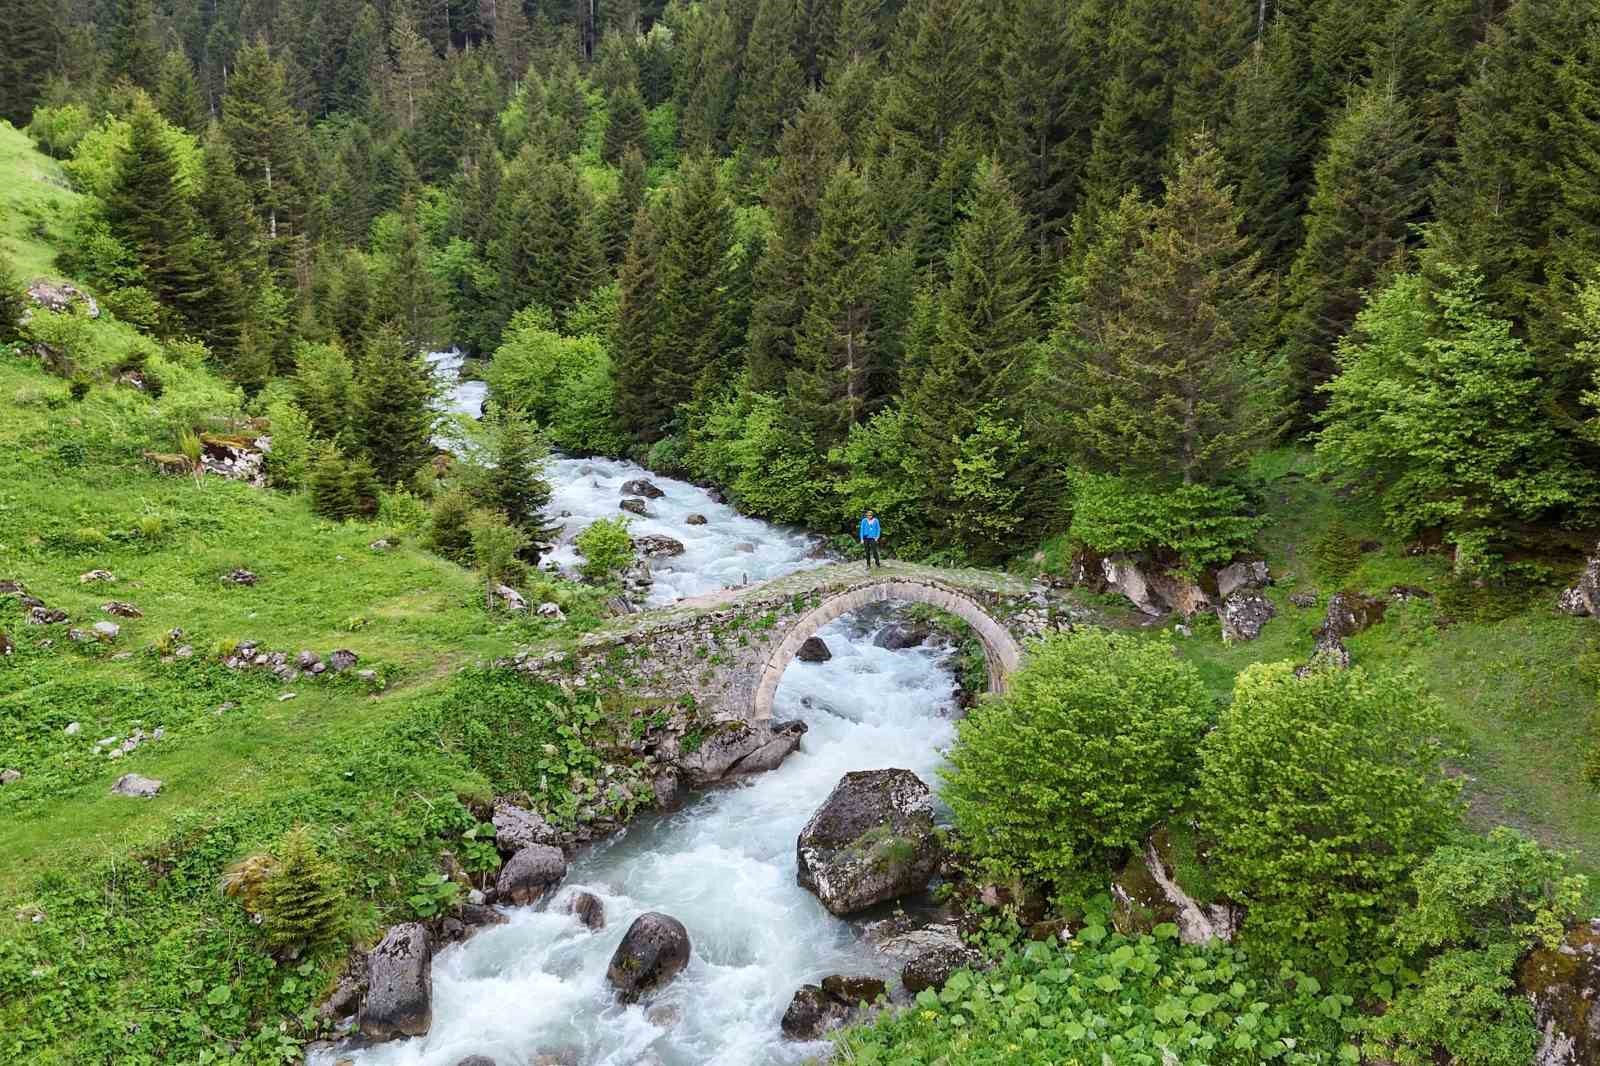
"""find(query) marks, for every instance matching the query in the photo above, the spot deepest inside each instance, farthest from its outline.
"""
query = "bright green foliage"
(1146, 1000)
(565, 383)
(57, 130)
(496, 543)
(302, 902)
(1370, 187)
(1191, 526)
(606, 547)
(1091, 745)
(449, 532)
(1319, 796)
(1437, 412)
(1466, 1004)
(294, 442)
(877, 475)
(1163, 380)
(394, 418)
(323, 386)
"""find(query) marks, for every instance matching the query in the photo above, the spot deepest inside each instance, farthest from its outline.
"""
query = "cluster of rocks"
(38, 612)
(100, 632)
(240, 576)
(635, 493)
(249, 655)
(61, 297)
(237, 458)
(817, 1010)
(114, 747)
(510, 599)
(1237, 601)
(1582, 600)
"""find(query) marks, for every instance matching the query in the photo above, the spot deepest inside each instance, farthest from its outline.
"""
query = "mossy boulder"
(871, 841)
(1563, 984)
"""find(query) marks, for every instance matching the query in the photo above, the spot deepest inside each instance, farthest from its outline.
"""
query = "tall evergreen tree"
(641, 408)
(1370, 188)
(28, 50)
(268, 140)
(408, 295)
(625, 127)
(857, 32)
(1166, 386)
(178, 94)
(707, 73)
(1133, 135)
(696, 275)
(933, 88)
(547, 249)
(135, 42)
(840, 378)
(772, 83)
(395, 417)
(1268, 142)
(623, 206)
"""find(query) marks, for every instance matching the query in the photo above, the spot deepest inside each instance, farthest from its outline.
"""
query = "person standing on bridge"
(868, 535)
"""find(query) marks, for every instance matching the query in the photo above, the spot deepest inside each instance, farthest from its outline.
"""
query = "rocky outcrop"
(854, 989)
(10, 776)
(1348, 614)
(657, 546)
(121, 609)
(46, 616)
(654, 950)
(1242, 577)
(241, 458)
(1243, 615)
(872, 840)
(531, 874)
(1146, 894)
(137, 786)
(61, 297)
(641, 486)
(813, 1013)
(1583, 598)
(515, 829)
(732, 749)
(510, 599)
(814, 650)
(1563, 984)
(399, 999)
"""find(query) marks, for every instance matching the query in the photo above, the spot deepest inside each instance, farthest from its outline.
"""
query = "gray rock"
(1583, 598)
(73, 729)
(588, 909)
(872, 840)
(306, 660)
(476, 1060)
(531, 874)
(380, 545)
(634, 505)
(1350, 612)
(1242, 576)
(342, 660)
(813, 1013)
(510, 598)
(121, 609)
(515, 829)
(1563, 984)
(745, 547)
(932, 966)
(552, 611)
(478, 914)
(657, 546)
(45, 616)
(1243, 614)
(854, 989)
(731, 749)
(653, 951)
(669, 791)
(899, 636)
(9, 776)
(814, 650)
(642, 487)
(81, 636)
(1307, 598)
(240, 576)
(136, 786)
(695, 520)
(60, 297)
(94, 577)
(399, 1000)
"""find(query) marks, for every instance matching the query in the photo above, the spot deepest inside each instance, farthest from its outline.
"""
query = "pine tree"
(13, 304)
(268, 140)
(772, 83)
(360, 71)
(1133, 135)
(625, 127)
(856, 37)
(1163, 384)
(332, 495)
(514, 482)
(696, 275)
(1370, 188)
(624, 205)
(28, 51)
(807, 156)
(178, 94)
(547, 248)
(932, 92)
(148, 209)
(1268, 143)
(707, 64)
(640, 408)
(395, 418)
(302, 903)
(840, 379)
(1215, 37)
(412, 67)
(135, 42)
(408, 295)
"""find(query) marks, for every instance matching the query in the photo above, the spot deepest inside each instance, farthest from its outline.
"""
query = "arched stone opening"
(1000, 648)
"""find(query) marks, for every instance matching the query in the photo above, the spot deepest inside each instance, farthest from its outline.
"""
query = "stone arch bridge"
(728, 650)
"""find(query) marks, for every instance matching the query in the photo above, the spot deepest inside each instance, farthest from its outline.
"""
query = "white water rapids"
(724, 866)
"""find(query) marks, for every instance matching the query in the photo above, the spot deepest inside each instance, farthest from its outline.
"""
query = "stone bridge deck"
(728, 650)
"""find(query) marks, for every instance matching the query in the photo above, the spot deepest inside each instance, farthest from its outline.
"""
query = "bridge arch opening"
(1000, 649)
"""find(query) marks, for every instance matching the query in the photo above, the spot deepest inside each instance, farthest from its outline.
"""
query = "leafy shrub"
(1320, 795)
(606, 547)
(302, 901)
(342, 488)
(1091, 746)
(57, 130)
(564, 383)
(1195, 525)
(1105, 998)
(449, 528)
(293, 444)
(778, 476)
(1464, 1004)
(495, 544)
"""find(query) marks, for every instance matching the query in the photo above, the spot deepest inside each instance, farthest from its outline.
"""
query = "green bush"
(293, 445)
(12, 301)
(1465, 1004)
(1091, 746)
(1194, 525)
(1320, 795)
(606, 547)
(495, 544)
(324, 388)
(564, 383)
(302, 900)
(342, 488)
(449, 527)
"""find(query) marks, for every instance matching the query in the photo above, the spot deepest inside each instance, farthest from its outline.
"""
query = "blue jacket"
(869, 529)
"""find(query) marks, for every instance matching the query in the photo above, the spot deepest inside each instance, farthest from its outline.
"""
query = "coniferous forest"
(1241, 357)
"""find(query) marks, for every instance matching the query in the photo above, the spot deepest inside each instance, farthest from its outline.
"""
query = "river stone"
(640, 486)
(588, 909)
(932, 966)
(731, 749)
(399, 1000)
(853, 989)
(669, 791)
(476, 1060)
(530, 874)
(657, 545)
(515, 828)
(1563, 984)
(136, 786)
(654, 950)
(897, 636)
(814, 650)
(634, 505)
(812, 1013)
(872, 840)
(695, 520)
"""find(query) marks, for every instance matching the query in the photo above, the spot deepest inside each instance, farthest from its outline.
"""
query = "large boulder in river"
(634, 505)
(1563, 984)
(641, 486)
(872, 840)
(657, 545)
(654, 950)
(399, 999)
(732, 749)
(814, 650)
(897, 636)
(530, 874)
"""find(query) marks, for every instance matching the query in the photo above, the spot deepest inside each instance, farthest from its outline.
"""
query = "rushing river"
(724, 866)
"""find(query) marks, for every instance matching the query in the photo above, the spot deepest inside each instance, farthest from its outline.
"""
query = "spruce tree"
(332, 495)
(178, 94)
(28, 50)
(1370, 188)
(933, 88)
(395, 418)
(1268, 143)
(771, 82)
(268, 141)
(1133, 135)
(13, 303)
(514, 481)
(302, 903)
(135, 42)
(407, 294)
(840, 379)
(807, 156)
(706, 55)
(624, 124)
(856, 37)
(623, 206)
(1164, 385)
(640, 407)
(696, 276)
(547, 248)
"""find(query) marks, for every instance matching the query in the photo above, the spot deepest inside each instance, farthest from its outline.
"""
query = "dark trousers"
(871, 544)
